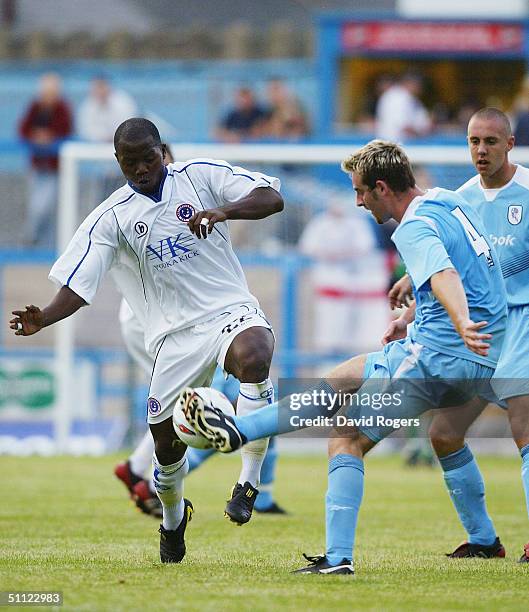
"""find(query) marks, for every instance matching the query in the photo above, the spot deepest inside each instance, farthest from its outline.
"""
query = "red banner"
(432, 37)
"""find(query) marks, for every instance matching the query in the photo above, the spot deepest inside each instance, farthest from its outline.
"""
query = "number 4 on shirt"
(478, 241)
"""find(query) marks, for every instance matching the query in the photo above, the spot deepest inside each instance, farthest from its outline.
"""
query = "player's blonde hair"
(380, 160)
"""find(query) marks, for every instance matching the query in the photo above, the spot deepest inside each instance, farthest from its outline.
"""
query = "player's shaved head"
(490, 139)
(490, 113)
(136, 129)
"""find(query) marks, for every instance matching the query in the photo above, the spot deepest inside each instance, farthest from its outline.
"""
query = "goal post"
(72, 154)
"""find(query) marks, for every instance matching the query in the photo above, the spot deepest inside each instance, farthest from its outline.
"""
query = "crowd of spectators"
(394, 110)
(50, 119)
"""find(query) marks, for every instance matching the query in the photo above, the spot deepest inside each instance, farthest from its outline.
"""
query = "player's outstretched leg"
(219, 428)
(228, 434)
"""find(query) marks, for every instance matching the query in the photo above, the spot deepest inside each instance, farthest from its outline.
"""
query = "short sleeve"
(421, 249)
(229, 183)
(88, 256)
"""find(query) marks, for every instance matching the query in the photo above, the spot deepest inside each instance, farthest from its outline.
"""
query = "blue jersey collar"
(156, 197)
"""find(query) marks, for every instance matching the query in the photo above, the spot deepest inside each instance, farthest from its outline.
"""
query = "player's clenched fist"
(27, 322)
(201, 223)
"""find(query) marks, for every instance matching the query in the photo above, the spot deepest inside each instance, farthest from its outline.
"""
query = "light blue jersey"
(440, 231)
(505, 214)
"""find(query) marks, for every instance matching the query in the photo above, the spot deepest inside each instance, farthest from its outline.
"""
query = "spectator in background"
(103, 110)
(246, 120)
(400, 114)
(285, 116)
(47, 122)
(99, 115)
(349, 280)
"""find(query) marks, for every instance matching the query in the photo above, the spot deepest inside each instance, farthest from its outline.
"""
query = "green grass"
(66, 524)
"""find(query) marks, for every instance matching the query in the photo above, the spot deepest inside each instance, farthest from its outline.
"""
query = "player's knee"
(444, 442)
(518, 410)
(339, 446)
(253, 363)
(167, 445)
(350, 445)
(250, 355)
(520, 432)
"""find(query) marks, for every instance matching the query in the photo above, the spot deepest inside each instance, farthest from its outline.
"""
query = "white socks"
(169, 484)
(141, 458)
(251, 397)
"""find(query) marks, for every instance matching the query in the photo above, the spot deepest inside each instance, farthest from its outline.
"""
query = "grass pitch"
(66, 524)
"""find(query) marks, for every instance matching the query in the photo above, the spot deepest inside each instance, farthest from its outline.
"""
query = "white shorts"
(188, 358)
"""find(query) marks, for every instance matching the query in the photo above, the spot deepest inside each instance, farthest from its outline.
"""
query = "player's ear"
(164, 153)
(382, 187)
(510, 142)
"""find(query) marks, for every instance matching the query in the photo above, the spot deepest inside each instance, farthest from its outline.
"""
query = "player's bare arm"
(31, 320)
(401, 293)
(448, 289)
(398, 328)
(258, 204)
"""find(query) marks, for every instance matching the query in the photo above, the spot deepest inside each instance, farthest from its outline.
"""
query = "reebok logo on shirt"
(502, 240)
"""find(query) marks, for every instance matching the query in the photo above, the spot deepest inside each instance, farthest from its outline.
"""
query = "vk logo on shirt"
(172, 250)
(170, 247)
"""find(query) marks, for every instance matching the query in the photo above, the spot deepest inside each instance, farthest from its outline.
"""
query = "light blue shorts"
(416, 378)
(512, 373)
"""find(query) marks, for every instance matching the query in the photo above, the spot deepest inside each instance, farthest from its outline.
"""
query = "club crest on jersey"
(141, 229)
(514, 214)
(153, 405)
(184, 212)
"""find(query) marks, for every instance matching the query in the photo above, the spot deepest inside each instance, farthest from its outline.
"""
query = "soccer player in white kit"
(131, 471)
(165, 237)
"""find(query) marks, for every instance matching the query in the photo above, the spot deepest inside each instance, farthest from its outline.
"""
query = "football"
(210, 397)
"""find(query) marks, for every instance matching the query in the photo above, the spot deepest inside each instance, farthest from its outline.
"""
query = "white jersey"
(167, 275)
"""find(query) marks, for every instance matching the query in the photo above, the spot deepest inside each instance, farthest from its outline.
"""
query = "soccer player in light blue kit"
(454, 344)
(499, 193)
